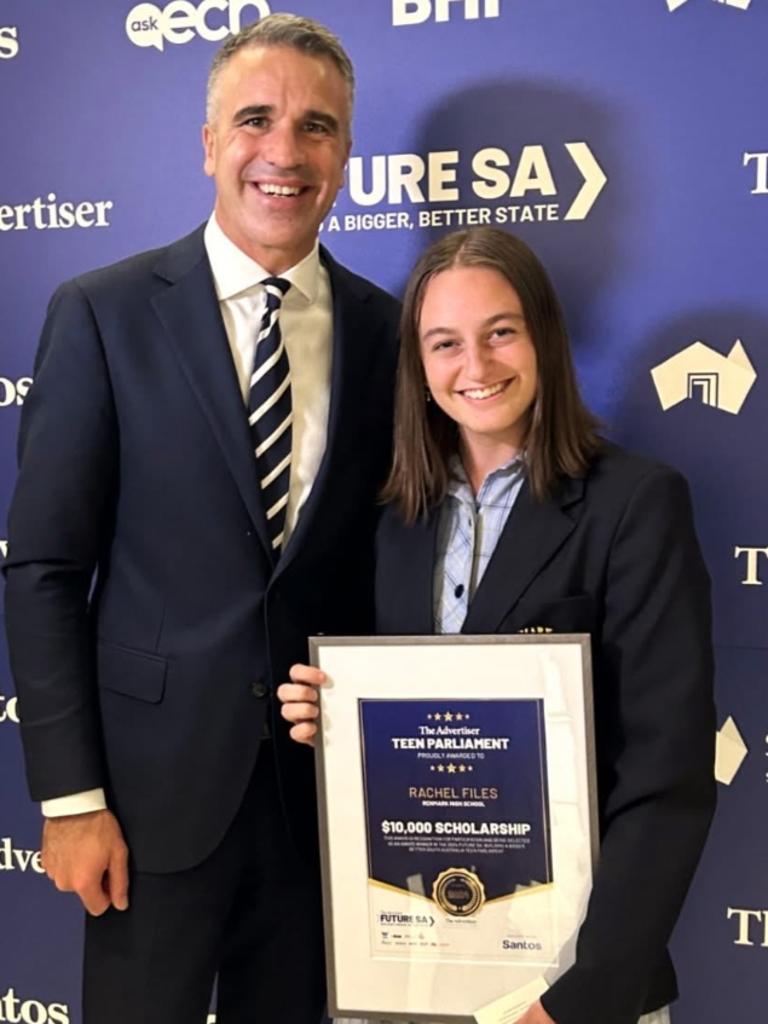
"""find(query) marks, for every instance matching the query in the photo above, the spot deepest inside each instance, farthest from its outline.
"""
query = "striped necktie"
(269, 412)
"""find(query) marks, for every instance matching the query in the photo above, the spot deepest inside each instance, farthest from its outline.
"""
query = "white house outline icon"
(701, 373)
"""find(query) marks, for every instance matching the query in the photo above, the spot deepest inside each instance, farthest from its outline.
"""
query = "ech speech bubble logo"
(181, 20)
(143, 26)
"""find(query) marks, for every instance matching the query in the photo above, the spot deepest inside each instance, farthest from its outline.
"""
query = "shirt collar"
(235, 273)
(458, 482)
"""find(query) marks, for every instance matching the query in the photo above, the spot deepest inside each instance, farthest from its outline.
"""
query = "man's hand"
(86, 854)
(299, 700)
(535, 1014)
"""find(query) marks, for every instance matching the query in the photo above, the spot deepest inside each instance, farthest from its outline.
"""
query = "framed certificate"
(458, 820)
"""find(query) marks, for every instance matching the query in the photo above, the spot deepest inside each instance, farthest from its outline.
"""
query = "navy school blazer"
(615, 555)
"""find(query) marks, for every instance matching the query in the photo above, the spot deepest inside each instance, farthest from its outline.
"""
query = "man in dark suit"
(176, 535)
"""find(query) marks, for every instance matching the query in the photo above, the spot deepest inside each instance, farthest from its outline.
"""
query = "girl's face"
(478, 357)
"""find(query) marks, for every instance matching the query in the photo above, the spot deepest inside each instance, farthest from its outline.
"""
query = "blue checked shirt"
(467, 535)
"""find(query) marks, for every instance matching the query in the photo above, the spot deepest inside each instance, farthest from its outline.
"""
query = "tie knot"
(275, 289)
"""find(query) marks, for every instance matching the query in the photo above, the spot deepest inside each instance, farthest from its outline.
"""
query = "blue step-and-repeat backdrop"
(625, 140)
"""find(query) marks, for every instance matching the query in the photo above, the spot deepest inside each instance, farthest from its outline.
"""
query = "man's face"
(277, 147)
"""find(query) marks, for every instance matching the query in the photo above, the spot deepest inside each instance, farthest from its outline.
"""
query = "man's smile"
(270, 189)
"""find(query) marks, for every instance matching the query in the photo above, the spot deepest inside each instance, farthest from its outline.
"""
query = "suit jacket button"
(259, 689)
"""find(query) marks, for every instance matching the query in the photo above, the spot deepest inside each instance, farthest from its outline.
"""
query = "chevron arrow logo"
(594, 180)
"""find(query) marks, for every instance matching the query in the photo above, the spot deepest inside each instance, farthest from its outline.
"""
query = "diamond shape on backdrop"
(730, 751)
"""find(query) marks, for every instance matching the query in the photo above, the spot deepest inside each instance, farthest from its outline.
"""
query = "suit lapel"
(533, 533)
(416, 549)
(347, 372)
(189, 312)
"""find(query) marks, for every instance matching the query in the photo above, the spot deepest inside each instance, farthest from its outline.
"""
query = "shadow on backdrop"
(582, 256)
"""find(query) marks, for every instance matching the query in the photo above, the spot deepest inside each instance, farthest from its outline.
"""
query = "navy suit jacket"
(614, 555)
(147, 626)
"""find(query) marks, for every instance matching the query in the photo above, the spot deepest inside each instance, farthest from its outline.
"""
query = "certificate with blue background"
(460, 783)
(457, 813)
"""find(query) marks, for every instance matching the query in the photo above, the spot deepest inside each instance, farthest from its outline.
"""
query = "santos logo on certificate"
(457, 813)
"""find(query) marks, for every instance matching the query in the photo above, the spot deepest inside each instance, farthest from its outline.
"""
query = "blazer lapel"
(416, 548)
(533, 533)
(189, 312)
(347, 372)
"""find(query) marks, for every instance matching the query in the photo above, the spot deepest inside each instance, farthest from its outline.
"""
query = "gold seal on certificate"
(457, 817)
(458, 891)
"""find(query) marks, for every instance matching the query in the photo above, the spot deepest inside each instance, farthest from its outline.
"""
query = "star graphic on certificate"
(459, 716)
(437, 716)
(451, 768)
(447, 717)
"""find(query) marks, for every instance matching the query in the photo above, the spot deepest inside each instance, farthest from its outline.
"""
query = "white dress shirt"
(306, 325)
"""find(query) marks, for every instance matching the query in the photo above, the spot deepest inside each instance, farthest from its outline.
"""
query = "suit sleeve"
(655, 730)
(57, 536)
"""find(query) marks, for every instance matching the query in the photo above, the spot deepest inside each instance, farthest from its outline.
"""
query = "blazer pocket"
(567, 615)
(130, 672)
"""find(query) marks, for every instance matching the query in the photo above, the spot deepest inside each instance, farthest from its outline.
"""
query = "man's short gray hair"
(303, 34)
